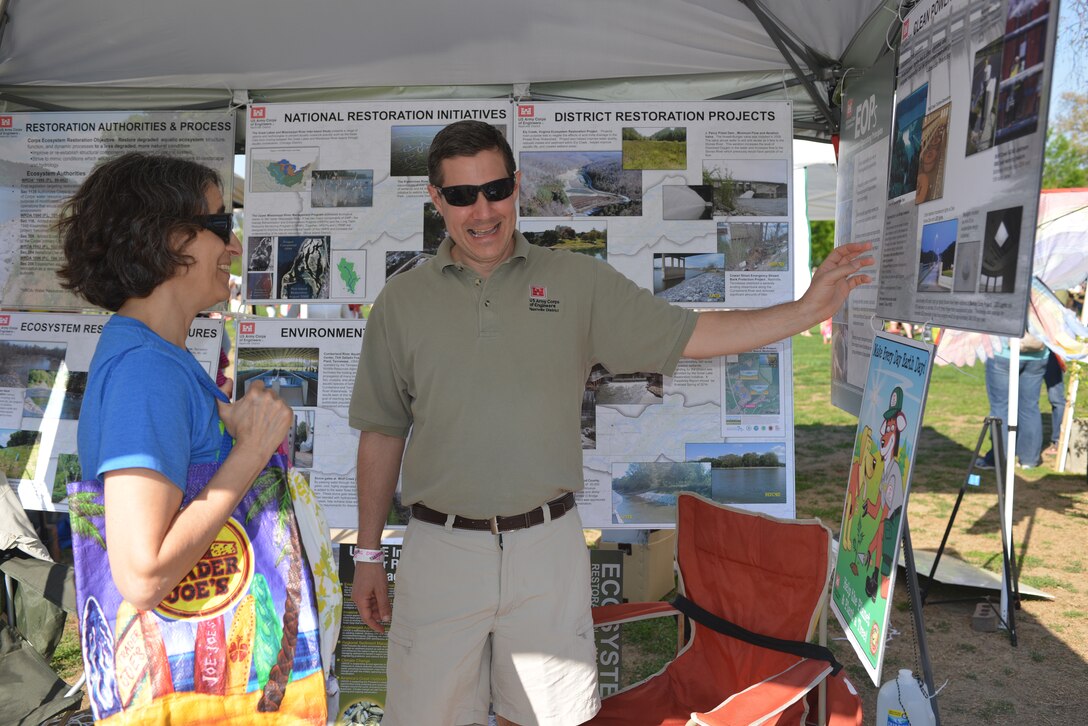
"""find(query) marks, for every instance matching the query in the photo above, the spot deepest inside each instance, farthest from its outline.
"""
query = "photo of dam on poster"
(311, 364)
(968, 137)
(44, 359)
(877, 492)
(47, 155)
(695, 195)
(336, 194)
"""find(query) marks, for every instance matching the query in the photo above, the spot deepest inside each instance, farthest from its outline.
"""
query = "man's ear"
(436, 198)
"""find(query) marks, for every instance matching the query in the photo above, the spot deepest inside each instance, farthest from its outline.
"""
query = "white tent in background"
(123, 54)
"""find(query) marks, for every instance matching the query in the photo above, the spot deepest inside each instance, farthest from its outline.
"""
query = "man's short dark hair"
(467, 138)
(124, 230)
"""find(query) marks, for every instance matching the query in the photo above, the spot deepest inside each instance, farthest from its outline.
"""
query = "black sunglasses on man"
(464, 195)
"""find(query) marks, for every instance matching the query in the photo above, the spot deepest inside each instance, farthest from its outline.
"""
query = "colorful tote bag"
(238, 639)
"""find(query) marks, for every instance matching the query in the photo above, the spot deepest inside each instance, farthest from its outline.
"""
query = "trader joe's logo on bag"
(220, 578)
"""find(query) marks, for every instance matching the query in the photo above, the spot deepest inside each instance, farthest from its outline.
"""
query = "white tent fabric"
(56, 54)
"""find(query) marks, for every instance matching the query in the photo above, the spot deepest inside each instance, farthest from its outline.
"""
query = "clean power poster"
(875, 506)
(44, 360)
(311, 364)
(336, 195)
(966, 161)
(46, 156)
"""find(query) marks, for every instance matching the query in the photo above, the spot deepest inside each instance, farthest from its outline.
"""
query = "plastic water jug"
(902, 701)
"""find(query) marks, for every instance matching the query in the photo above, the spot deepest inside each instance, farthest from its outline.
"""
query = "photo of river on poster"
(764, 485)
(645, 493)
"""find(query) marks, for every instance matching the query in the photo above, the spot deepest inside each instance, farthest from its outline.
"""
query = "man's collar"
(444, 256)
(521, 246)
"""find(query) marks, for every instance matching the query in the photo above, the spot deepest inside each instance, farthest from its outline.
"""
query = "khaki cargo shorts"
(483, 619)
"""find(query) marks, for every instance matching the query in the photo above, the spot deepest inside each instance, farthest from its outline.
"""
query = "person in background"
(1029, 419)
(472, 374)
(1054, 378)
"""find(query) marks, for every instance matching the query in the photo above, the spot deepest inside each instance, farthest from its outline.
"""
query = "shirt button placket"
(488, 318)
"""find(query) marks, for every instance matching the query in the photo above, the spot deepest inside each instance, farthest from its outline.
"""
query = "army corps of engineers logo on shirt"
(539, 302)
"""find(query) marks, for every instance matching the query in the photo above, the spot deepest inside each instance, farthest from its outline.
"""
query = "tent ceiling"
(118, 53)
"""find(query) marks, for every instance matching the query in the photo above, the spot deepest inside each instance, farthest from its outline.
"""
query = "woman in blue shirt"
(149, 238)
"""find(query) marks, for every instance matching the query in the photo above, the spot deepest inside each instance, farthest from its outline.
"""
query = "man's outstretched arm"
(724, 332)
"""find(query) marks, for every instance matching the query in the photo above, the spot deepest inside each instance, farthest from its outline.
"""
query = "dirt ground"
(1043, 679)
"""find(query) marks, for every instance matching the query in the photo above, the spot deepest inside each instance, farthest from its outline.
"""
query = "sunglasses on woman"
(463, 195)
(221, 224)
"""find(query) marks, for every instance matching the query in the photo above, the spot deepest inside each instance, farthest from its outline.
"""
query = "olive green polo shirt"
(487, 375)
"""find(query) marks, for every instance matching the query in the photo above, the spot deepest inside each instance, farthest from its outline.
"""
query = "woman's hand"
(151, 544)
(258, 421)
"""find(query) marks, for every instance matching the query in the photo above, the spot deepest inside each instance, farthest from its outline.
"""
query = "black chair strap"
(721, 625)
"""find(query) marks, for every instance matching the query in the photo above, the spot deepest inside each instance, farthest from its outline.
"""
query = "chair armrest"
(630, 612)
(766, 698)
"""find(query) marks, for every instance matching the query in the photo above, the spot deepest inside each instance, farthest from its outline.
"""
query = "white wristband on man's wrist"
(374, 557)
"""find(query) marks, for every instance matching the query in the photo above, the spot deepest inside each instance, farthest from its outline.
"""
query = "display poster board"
(875, 506)
(690, 199)
(606, 588)
(966, 161)
(862, 193)
(336, 194)
(721, 428)
(46, 156)
(312, 364)
(361, 653)
(44, 359)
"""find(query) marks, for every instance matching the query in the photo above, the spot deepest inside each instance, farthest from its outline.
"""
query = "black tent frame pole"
(788, 47)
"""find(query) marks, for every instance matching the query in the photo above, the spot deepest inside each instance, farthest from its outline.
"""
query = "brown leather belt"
(497, 525)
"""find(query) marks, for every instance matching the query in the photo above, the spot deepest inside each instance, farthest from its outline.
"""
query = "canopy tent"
(118, 54)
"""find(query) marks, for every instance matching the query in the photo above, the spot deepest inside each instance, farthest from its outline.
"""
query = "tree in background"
(1074, 21)
(822, 235)
(1065, 163)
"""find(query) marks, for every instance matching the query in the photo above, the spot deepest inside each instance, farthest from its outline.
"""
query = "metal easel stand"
(1010, 580)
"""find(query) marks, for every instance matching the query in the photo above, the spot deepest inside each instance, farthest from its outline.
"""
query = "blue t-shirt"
(1005, 352)
(149, 404)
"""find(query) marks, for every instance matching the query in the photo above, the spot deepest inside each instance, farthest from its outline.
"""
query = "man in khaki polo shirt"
(478, 360)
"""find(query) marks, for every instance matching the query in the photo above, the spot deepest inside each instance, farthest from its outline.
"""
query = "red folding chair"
(759, 586)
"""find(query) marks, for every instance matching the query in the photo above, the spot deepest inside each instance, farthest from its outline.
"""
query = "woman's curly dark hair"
(124, 230)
